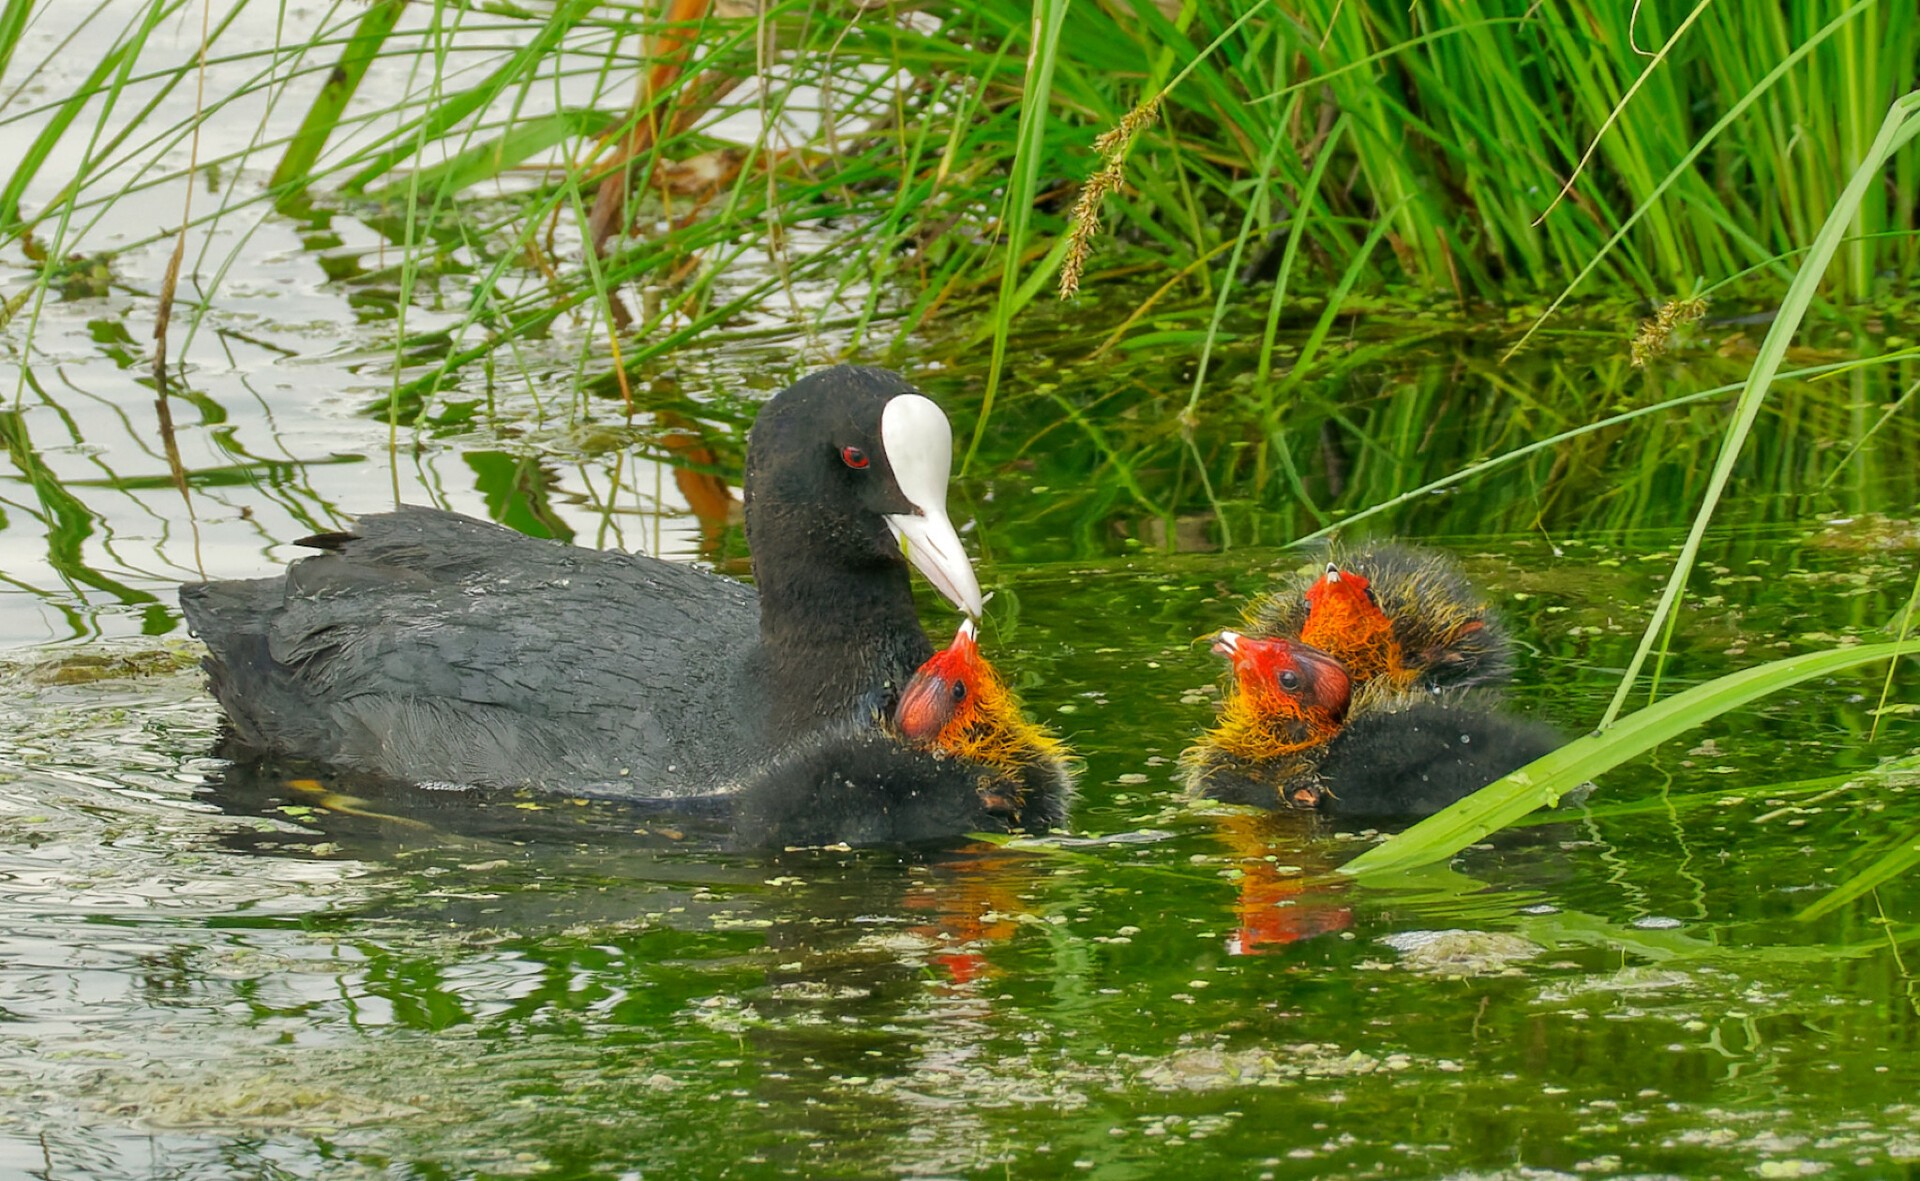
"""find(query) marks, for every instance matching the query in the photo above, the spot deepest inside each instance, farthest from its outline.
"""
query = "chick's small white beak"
(919, 446)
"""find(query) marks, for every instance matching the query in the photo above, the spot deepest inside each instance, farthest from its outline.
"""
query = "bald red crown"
(944, 689)
(1344, 619)
(1289, 677)
(1342, 593)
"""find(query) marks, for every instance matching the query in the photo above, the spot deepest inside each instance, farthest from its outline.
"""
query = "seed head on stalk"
(1113, 147)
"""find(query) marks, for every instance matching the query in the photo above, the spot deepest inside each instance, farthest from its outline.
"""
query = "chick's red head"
(944, 696)
(956, 704)
(1344, 619)
(1282, 678)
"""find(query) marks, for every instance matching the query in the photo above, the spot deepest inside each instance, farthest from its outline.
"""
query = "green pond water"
(207, 975)
(209, 972)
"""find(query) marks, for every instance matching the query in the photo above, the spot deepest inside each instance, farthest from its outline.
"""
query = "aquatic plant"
(929, 158)
(1544, 781)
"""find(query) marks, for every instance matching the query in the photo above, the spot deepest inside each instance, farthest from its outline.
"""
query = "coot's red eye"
(853, 457)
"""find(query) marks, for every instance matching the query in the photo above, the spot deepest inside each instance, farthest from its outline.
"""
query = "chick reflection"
(1284, 896)
(971, 902)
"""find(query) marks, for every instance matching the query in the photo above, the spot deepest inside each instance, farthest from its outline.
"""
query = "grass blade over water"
(1543, 782)
(1902, 124)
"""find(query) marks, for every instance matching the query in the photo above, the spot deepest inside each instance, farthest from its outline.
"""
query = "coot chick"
(956, 756)
(433, 648)
(957, 704)
(1296, 731)
(1392, 611)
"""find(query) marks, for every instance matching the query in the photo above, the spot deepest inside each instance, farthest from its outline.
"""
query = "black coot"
(434, 648)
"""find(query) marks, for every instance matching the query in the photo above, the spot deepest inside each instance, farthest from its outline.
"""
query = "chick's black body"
(1405, 757)
(860, 785)
(430, 647)
(1418, 759)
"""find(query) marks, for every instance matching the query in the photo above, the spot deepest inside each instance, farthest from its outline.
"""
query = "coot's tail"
(233, 620)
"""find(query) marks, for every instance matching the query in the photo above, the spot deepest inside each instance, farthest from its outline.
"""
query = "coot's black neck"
(837, 644)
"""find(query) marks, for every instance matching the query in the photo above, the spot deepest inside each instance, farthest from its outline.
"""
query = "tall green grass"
(1353, 148)
(1544, 781)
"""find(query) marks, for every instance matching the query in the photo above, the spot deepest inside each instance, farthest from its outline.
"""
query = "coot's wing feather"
(426, 645)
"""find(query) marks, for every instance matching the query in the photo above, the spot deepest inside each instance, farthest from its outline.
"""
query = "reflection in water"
(1285, 894)
(850, 981)
(208, 967)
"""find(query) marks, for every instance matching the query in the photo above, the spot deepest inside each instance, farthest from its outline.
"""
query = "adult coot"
(957, 756)
(1297, 731)
(430, 647)
(1392, 611)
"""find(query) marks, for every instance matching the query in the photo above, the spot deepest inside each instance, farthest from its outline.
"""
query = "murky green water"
(208, 975)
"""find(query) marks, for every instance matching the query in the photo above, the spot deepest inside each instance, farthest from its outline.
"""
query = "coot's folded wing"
(430, 646)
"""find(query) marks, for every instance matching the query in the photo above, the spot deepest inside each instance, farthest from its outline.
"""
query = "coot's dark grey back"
(433, 647)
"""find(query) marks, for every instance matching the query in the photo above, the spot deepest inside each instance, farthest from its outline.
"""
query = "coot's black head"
(842, 468)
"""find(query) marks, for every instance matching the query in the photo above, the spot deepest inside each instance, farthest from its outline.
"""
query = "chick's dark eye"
(854, 458)
(959, 690)
(1289, 680)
